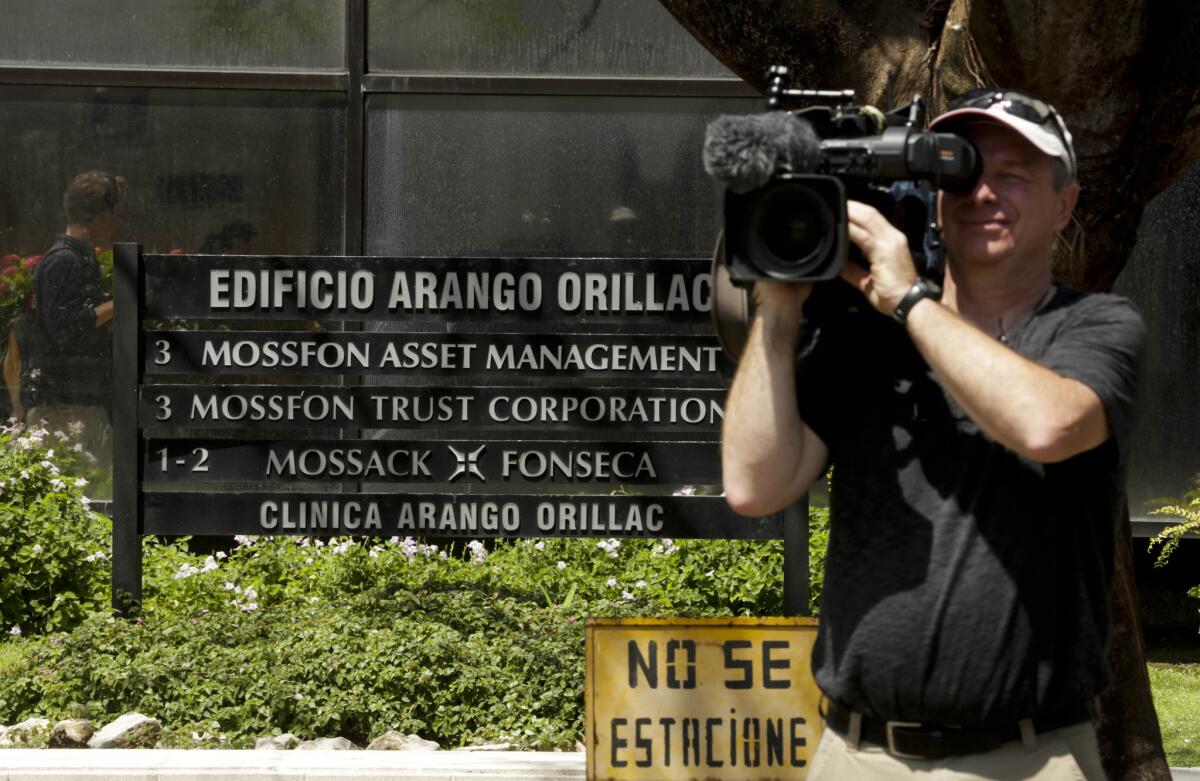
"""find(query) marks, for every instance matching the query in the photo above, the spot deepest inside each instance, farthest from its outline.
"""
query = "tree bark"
(1125, 74)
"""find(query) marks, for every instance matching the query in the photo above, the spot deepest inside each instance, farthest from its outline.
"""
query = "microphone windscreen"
(744, 151)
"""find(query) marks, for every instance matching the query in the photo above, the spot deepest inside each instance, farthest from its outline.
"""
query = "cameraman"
(978, 444)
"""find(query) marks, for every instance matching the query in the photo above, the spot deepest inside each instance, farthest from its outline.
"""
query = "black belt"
(915, 740)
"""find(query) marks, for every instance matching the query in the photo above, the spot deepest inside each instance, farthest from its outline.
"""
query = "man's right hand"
(780, 305)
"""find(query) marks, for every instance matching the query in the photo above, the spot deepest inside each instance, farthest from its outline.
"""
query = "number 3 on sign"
(201, 464)
(164, 352)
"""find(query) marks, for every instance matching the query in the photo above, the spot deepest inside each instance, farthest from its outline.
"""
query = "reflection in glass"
(1163, 279)
(196, 162)
(534, 37)
(235, 34)
(526, 176)
(246, 172)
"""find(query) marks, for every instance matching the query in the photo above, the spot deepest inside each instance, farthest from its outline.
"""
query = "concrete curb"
(209, 765)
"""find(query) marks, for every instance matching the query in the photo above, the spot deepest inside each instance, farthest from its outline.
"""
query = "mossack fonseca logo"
(349, 290)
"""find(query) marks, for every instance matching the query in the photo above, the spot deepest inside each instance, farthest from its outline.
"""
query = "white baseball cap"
(1034, 119)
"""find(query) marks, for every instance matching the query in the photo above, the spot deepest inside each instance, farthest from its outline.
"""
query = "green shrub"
(53, 549)
(352, 637)
(1188, 509)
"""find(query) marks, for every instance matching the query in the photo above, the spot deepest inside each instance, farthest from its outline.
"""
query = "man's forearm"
(766, 451)
(1019, 403)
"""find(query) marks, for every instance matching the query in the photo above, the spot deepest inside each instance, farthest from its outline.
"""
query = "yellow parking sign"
(718, 698)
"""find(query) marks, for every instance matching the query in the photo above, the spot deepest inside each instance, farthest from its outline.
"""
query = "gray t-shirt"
(964, 584)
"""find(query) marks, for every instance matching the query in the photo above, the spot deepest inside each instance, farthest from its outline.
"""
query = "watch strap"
(920, 289)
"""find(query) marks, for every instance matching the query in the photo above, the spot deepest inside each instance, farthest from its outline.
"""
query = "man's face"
(1013, 211)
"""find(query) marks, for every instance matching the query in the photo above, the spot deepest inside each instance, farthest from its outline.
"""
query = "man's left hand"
(892, 272)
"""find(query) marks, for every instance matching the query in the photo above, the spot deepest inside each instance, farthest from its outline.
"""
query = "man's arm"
(1022, 405)
(769, 456)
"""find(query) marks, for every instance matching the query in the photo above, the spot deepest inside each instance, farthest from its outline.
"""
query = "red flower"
(32, 261)
(10, 260)
(10, 271)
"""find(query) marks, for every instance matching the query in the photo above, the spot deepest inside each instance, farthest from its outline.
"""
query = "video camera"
(788, 175)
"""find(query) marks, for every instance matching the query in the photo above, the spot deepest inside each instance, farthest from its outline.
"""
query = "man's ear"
(1066, 205)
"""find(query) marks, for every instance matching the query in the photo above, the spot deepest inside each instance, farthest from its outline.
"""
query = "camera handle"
(777, 90)
(932, 246)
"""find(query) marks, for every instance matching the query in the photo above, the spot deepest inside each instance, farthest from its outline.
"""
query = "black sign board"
(451, 515)
(482, 357)
(495, 290)
(513, 409)
(461, 397)
(466, 462)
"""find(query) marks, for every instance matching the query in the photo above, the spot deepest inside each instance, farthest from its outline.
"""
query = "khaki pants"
(87, 425)
(1069, 754)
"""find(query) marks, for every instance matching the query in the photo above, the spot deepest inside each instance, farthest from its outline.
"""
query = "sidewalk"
(208, 765)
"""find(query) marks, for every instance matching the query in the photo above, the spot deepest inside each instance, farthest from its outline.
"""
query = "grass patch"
(1176, 690)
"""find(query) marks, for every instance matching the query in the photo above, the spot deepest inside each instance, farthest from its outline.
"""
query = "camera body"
(794, 227)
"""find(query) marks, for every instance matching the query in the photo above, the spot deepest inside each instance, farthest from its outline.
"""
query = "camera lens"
(791, 230)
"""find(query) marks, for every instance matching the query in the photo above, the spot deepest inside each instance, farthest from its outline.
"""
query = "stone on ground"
(133, 730)
(395, 741)
(71, 733)
(327, 744)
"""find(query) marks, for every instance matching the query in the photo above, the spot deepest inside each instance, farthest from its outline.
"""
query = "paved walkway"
(195, 765)
(207, 765)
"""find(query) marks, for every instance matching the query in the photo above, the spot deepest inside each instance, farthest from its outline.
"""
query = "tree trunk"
(1125, 74)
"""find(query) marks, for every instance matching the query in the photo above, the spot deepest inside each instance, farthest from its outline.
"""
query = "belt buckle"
(890, 728)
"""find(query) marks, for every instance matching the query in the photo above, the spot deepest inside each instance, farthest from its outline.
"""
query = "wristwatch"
(922, 288)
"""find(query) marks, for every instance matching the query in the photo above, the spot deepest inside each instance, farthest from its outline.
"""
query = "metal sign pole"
(795, 559)
(127, 462)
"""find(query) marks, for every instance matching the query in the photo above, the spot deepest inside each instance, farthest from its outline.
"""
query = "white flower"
(232, 587)
(561, 565)
(15, 630)
(710, 573)
(37, 548)
(478, 551)
(627, 596)
(611, 582)
(243, 539)
(640, 584)
(80, 482)
(221, 554)
(97, 556)
(210, 564)
(185, 571)
(539, 545)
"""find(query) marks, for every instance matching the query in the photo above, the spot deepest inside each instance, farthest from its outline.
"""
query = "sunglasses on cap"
(1023, 106)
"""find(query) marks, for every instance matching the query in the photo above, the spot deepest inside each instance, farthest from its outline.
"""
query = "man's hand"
(780, 306)
(104, 315)
(886, 249)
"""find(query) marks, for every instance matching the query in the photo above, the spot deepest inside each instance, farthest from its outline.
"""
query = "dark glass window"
(525, 175)
(235, 34)
(193, 160)
(534, 37)
(1163, 278)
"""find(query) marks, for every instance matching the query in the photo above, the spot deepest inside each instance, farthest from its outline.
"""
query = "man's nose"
(983, 191)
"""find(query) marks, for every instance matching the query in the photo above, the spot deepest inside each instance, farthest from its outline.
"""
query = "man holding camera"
(978, 439)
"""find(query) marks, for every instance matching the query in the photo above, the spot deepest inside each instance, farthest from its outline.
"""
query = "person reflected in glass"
(67, 386)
